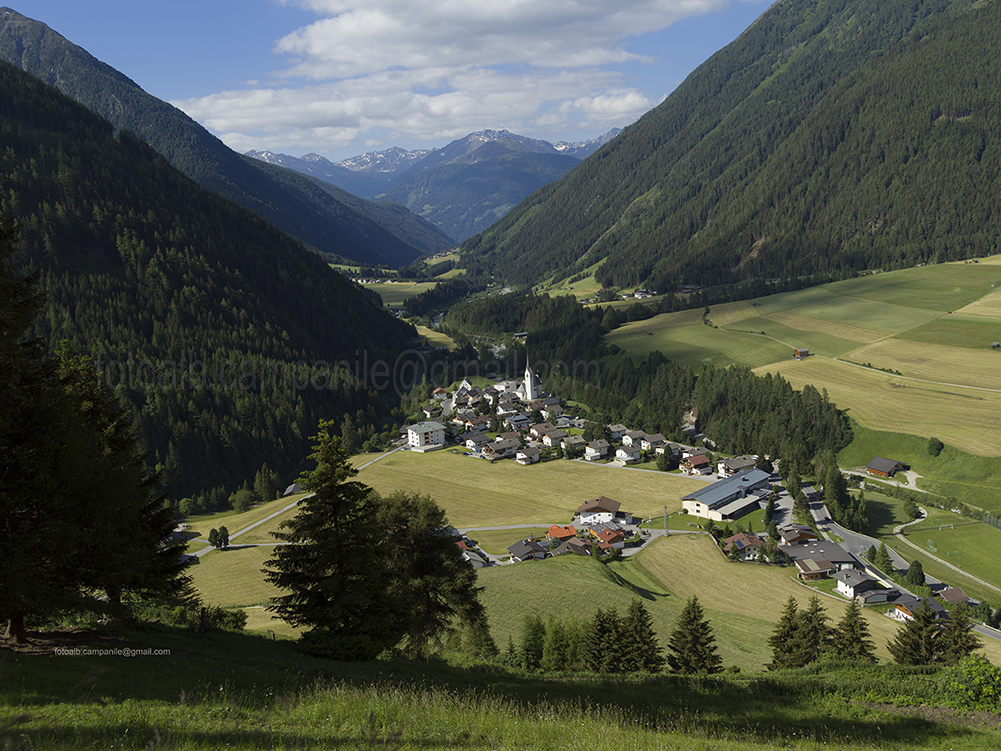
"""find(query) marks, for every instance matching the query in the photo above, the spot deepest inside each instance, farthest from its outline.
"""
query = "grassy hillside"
(245, 692)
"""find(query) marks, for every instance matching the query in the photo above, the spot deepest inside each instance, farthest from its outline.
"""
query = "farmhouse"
(500, 449)
(731, 498)
(628, 454)
(697, 464)
(426, 436)
(818, 558)
(907, 605)
(573, 545)
(528, 455)
(596, 450)
(884, 467)
(598, 510)
(795, 534)
(852, 583)
(633, 437)
(747, 545)
(527, 550)
(730, 467)
(558, 533)
(801, 353)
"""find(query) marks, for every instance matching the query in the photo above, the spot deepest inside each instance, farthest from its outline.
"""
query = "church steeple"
(530, 393)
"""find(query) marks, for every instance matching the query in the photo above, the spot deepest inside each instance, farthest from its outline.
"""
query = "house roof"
(636, 434)
(819, 550)
(655, 438)
(601, 443)
(617, 428)
(737, 463)
(610, 535)
(722, 490)
(953, 594)
(696, 460)
(743, 540)
(530, 451)
(562, 533)
(500, 445)
(853, 578)
(912, 604)
(629, 450)
(427, 426)
(524, 547)
(599, 504)
(879, 464)
(811, 566)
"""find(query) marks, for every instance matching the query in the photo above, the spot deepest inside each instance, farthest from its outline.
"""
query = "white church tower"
(531, 394)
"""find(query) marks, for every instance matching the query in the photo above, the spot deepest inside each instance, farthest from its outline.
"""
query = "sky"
(344, 77)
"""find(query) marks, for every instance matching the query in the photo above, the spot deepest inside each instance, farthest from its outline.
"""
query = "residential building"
(426, 436)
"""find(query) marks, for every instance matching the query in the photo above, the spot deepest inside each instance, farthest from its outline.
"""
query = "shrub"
(975, 683)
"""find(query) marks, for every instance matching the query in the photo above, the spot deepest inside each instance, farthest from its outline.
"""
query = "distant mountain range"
(830, 136)
(323, 217)
(461, 188)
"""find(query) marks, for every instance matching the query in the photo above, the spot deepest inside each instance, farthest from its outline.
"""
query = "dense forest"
(216, 328)
(324, 217)
(831, 136)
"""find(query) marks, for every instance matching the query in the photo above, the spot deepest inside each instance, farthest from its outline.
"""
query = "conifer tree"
(533, 641)
(331, 572)
(603, 631)
(639, 646)
(916, 573)
(851, 636)
(957, 640)
(917, 640)
(693, 645)
(814, 633)
(554, 648)
(786, 641)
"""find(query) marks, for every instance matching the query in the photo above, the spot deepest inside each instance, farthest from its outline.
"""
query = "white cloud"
(425, 71)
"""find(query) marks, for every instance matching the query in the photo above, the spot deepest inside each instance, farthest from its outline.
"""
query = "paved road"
(293, 504)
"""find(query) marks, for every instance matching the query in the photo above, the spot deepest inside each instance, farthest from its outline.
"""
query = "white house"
(633, 438)
(426, 436)
(527, 456)
(598, 510)
(852, 583)
(596, 450)
(628, 454)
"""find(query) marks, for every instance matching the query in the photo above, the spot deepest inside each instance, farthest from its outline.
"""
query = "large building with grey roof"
(731, 498)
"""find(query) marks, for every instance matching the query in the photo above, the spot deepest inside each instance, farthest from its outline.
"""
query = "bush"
(935, 446)
(975, 683)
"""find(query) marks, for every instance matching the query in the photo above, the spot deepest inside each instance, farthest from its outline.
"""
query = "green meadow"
(394, 294)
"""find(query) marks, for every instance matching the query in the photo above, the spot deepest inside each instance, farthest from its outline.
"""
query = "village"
(517, 421)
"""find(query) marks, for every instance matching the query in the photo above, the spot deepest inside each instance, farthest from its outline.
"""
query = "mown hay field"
(967, 331)
(824, 304)
(845, 331)
(476, 493)
(966, 418)
(394, 294)
(233, 578)
(934, 362)
(942, 287)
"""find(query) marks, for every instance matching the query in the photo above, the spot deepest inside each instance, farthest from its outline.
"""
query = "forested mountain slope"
(831, 135)
(307, 209)
(196, 310)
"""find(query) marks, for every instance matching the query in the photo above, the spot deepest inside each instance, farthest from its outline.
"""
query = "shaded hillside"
(469, 192)
(198, 312)
(283, 197)
(831, 135)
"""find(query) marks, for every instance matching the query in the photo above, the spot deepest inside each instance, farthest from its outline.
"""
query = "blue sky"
(343, 77)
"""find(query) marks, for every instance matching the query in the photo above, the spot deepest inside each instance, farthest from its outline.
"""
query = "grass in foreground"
(245, 692)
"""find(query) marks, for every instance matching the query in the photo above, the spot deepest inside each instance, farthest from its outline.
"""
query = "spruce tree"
(603, 634)
(332, 573)
(693, 645)
(639, 646)
(785, 641)
(851, 636)
(957, 639)
(814, 633)
(533, 641)
(917, 640)
(916, 574)
(428, 580)
(554, 648)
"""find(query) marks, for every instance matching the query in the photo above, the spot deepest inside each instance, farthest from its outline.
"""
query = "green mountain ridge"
(832, 135)
(324, 218)
(201, 315)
